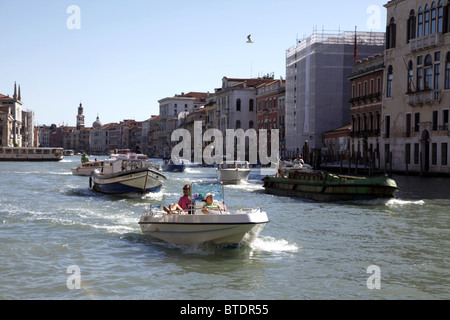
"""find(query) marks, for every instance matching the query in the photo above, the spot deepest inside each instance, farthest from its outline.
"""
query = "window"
(447, 71)
(250, 105)
(250, 124)
(408, 125)
(445, 120)
(408, 153)
(433, 25)
(238, 124)
(416, 122)
(426, 24)
(440, 14)
(420, 23)
(435, 121)
(444, 154)
(416, 153)
(238, 105)
(419, 79)
(391, 34)
(428, 72)
(411, 26)
(410, 77)
(437, 72)
(388, 126)
(434, 154)
(390, 77)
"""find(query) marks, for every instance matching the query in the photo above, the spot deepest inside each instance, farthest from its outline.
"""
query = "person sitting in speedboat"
(183, 205)
(210, 204)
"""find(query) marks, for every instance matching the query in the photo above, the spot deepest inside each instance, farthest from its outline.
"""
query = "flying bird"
(249, 39)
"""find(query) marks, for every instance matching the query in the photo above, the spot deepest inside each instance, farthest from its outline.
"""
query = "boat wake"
(270, 244)
(401, 203)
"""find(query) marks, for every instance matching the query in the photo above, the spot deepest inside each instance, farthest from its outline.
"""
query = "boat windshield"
(199, 190)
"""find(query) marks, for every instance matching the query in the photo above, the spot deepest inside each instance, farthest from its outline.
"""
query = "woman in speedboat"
(211, 204)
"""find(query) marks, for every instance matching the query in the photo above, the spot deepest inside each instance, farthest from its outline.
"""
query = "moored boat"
(218, 225)
(324, 186)
(122, 176)
(31, 154)
(233, 173)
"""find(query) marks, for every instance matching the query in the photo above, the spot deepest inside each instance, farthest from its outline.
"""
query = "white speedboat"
(233, 173)
(219, 226)
(85, 169)
(121, 176)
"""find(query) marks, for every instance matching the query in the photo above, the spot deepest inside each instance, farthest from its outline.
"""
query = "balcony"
(424, 97)
(426, 42)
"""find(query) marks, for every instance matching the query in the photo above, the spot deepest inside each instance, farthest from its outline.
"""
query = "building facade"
(317, 85)
(270, 102)
(417, 87)
(16, 125)
(366, 109)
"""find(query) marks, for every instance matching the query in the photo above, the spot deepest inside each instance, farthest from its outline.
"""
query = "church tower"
(80, 117)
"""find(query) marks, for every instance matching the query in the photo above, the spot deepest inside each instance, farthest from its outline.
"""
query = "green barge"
(328, 187)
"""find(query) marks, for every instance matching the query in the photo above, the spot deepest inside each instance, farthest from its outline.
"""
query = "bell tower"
(80, 117)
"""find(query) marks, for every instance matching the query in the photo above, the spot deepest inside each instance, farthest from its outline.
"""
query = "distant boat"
(301, 181)
(120, 176)
(233, 173)
(31, 154)
(68, 152)
(171, 166)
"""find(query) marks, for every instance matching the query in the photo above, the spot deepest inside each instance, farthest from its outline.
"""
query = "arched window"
(250, 124)
(440, 16)
(391, 34)
(411, 26)
(420, 23)
(433, 26)
(238, 105)
(426, 19)
(238, 124)
(390, 77)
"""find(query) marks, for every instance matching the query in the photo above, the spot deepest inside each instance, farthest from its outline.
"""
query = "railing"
(424, 97)
(429, 41)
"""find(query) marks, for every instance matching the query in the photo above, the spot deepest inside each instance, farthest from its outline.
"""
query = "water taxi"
(233, 173)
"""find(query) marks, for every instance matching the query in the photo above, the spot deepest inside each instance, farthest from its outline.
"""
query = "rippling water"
(51, 220)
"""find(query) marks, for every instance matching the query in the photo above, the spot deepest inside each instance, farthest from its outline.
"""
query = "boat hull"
(233, 176)
(222, 229)
(322, 188)
(144, 180)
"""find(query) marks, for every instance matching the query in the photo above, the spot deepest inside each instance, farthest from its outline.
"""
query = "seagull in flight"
(249, 39)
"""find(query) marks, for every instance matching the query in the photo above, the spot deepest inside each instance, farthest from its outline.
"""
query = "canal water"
(54, 231)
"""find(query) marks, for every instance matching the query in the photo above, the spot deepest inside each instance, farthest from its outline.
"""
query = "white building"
(12, 122)
(317, 85)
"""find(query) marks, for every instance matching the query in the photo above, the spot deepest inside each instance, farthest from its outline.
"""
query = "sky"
(118, 58)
